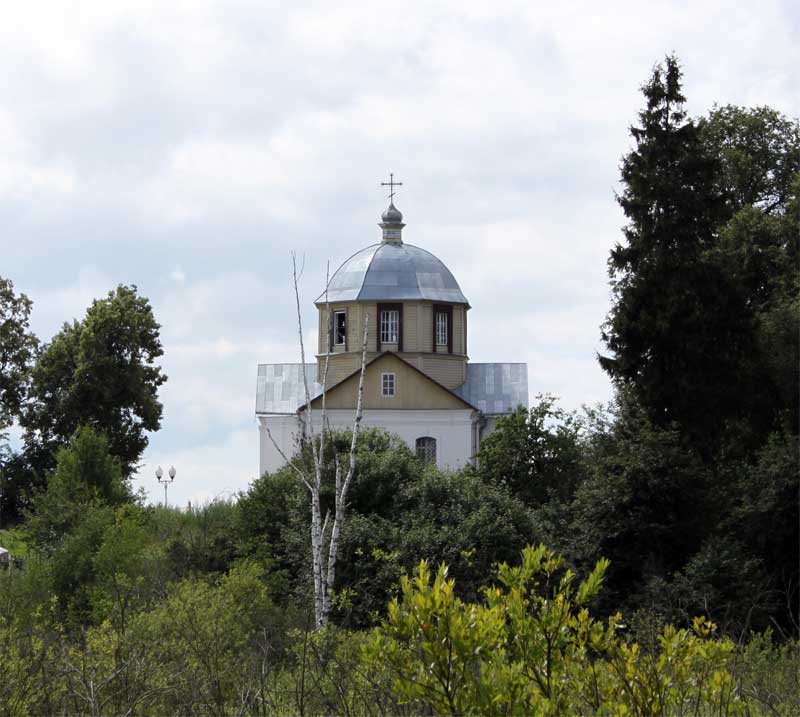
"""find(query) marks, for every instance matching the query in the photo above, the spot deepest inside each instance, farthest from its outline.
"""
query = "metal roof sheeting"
(495, 388)
(393, 272)
(280, 387)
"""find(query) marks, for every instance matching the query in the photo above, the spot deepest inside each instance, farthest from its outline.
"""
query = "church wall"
(372, 328)
(285, 430)
(410, 335)
(447, 369)
(322, 337)
(459, 313)
(452, 430)
(450, 371)
(412, 389)
(426, 328)
(339, 367)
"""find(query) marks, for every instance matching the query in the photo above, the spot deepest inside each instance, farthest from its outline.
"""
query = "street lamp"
(165, 480)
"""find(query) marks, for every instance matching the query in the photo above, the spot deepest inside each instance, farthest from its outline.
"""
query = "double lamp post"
(165, 480)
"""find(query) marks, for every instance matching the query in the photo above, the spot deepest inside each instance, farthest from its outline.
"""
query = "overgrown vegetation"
(670, 580)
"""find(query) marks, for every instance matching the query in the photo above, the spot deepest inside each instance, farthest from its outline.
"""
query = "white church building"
(419, 382)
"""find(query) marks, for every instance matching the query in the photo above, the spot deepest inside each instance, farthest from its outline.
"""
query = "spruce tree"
(675, 327)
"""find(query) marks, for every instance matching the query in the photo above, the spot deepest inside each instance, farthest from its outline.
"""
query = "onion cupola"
(411, 301)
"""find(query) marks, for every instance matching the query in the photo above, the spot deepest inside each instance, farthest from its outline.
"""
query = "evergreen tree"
(677, 327)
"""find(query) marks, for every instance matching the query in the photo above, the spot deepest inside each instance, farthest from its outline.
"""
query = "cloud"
(188, 147)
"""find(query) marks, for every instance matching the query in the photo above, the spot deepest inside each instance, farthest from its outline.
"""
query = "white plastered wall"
(452, 429)
(285, 430)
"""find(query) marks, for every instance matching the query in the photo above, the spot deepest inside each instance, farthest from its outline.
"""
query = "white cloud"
(187, 147)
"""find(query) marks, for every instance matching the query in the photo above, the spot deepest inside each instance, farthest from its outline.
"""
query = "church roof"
(492, 388)
(495, 388)
(393, 272)
(391, 355)
(280, 387)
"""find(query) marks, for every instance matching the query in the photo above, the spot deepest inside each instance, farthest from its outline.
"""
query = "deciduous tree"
(100, 372)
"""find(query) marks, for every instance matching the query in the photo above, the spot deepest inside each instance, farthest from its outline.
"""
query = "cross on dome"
(392, 218)
(391, 184)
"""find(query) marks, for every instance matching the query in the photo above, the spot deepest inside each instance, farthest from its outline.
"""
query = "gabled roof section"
(354, 376)
(280, 387)
(495, 388)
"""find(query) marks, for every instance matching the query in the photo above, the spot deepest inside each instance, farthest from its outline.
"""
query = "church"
(418, 383)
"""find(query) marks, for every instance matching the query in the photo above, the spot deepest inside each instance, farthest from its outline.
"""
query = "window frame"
(390, 307)
(442, 332)
(388, 381)
(343, 342)
(431, 442)
(445, 310)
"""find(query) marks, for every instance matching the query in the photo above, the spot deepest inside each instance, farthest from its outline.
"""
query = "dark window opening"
(426, 449)
(340, 328)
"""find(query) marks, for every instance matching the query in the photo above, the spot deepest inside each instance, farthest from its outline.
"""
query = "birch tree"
(325, 530)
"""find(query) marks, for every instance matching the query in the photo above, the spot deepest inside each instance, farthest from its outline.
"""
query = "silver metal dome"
(392, 215)
(393, 272)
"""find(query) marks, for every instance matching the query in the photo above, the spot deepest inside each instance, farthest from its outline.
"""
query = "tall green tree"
(17, 350)
(18, 346)
(758, 150)
(86, 475)
(101, 372)
(759, 180)
(679, 330)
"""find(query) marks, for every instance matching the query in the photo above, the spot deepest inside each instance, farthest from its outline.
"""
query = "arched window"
(426, 449)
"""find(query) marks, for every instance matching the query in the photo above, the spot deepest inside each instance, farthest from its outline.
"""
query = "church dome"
(392, 215)
(393, 272)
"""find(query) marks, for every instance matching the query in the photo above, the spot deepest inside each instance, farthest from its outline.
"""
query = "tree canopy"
(100, 372)
(17, 350)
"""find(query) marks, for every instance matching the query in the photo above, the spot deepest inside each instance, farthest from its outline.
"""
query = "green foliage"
(536, 453)
(692, 493)
(200, 540)
(688, 484)
(643, 504)
(17, 349)
(532, 648)
(759, 154)
(86, 475)
(400, 509)
(458, 519)
(99, 372)
(199, 635)
(768, 676)
(675, 329)
(128, 568)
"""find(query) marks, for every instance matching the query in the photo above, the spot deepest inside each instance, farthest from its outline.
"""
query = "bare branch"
(283, 455)
(295, 281)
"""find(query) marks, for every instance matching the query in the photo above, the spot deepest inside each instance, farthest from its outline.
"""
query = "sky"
(189, 147)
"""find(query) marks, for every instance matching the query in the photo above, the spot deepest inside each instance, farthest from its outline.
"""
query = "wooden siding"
(458, 330)
(426, 328)
(410, 336)
(450, 371)
(412, 389)
(340, 366)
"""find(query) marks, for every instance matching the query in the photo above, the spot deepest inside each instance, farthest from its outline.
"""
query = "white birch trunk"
(324, 570)
(342, 488)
